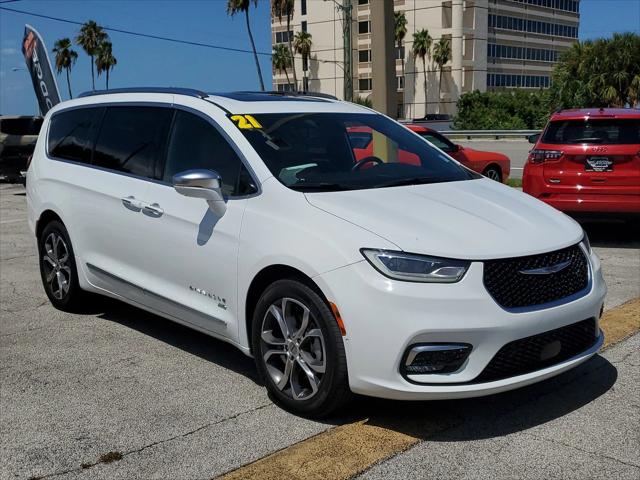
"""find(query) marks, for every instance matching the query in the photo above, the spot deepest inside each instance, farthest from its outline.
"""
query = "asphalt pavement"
(120, 393)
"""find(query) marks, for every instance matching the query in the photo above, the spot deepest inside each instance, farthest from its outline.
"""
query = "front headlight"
(585, 242)
(416, 268)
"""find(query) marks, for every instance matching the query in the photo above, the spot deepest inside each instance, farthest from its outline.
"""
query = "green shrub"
(502, 110)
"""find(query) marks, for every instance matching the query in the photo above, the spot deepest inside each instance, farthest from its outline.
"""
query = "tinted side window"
(71, 134)
(132, 139)
(195, 143)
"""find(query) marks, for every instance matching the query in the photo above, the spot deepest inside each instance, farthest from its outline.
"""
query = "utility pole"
(383, 63)
(383, 66)
(346, 7)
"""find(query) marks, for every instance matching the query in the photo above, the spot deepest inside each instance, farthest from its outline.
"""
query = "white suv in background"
(247, 217)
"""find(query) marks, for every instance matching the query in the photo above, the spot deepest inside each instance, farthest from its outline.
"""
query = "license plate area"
(598, 164)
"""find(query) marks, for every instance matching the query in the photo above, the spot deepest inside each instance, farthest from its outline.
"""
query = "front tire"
(299, 351)
(58, 268)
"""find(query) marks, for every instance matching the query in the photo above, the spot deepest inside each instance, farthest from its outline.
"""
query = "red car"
(587, 161)
(491, 164)
(494, 165)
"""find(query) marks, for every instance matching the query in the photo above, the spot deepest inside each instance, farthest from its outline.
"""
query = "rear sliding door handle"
(132, 203)
(153, 210)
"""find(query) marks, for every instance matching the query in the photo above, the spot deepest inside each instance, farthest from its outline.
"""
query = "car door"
(195, 271)
(115, 252)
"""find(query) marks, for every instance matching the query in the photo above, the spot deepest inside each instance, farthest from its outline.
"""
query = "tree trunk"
(253, 46)
(69, 84)
(287, 75)
(93, 78)
(439, 87)
(404, 80)
(426, 103)
(293, 61)
(108, 78)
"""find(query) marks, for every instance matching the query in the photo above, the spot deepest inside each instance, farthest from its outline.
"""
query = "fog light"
(435, 358)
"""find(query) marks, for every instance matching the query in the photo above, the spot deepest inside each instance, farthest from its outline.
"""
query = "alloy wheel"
(293, 348)
(57, 271)
(493, 174)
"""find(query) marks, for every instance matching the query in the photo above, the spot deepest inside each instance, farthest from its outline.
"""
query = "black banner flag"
(39, 66)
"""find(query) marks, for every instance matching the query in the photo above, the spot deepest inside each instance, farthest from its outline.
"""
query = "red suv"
(587, 161)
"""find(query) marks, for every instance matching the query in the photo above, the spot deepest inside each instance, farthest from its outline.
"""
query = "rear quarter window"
(71, 134)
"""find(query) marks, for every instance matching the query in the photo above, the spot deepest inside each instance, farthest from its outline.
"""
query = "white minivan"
(256, 219)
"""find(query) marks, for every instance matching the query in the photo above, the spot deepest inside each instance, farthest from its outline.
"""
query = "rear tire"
(493, 173)
(58, 268)
(298, 350)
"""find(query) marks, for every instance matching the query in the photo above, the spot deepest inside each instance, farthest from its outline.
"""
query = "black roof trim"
(190, 92)
(253, 96)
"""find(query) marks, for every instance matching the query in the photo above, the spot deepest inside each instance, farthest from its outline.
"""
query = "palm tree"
(65, 58)
(91, 35)
(441, 55)
(236, 6)
(105, 61)
(598, 73)
(400, 31)
(281, 59)
(302, 44)
(281, 8)
(422, 49)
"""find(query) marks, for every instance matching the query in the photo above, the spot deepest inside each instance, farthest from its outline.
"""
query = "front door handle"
(153, 210)
(132, 203)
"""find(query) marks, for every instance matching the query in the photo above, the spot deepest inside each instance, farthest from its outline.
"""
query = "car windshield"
(594, 131)
(345, 151)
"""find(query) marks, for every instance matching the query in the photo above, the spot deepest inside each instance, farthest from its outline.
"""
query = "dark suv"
(18, 135)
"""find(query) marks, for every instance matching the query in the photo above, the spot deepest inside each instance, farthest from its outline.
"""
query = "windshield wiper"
(408, 181)
(320, 186)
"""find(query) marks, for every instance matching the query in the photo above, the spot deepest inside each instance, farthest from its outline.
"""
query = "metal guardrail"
(494, 134)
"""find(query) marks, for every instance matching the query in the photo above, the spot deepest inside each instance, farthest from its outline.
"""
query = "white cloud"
(8, 51)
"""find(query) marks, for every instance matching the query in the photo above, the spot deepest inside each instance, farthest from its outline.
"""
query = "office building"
(495, 44)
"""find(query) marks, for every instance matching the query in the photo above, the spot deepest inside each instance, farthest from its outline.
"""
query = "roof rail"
(191, 92)
(290, 94)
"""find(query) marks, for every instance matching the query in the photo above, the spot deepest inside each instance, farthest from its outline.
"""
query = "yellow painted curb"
(621, 322)
(345, 451)
(339, 453)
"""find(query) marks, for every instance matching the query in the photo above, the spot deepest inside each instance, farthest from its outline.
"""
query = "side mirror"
(204, 184)
(533, 138)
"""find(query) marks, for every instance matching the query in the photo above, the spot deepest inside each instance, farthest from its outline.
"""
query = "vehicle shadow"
(442, 420)
(176, 335)
(611, 233)
(497, 415)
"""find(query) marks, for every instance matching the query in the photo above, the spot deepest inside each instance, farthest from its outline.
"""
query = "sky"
(153, 62)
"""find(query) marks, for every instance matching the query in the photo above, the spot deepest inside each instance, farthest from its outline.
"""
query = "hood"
(473, 220)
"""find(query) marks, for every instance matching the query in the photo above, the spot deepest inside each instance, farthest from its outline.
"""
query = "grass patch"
(110, 457)
(515, 182)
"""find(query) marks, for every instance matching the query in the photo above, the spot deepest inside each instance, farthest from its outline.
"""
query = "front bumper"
(384, 317)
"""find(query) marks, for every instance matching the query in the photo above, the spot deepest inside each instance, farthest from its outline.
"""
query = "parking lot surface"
(120, 393)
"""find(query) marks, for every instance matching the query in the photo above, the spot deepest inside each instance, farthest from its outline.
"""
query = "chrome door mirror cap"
(202, 183)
